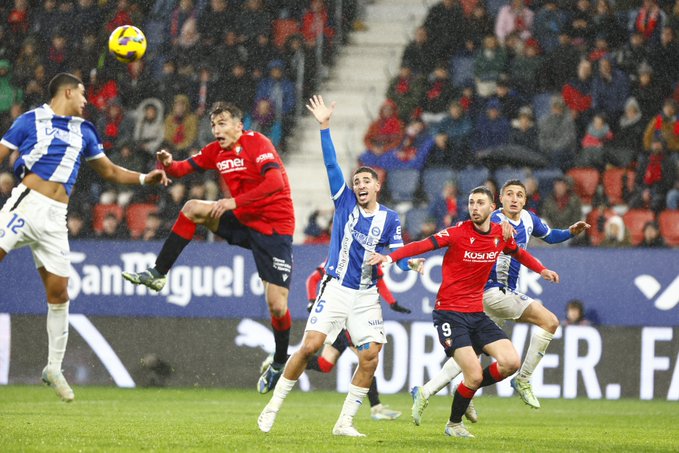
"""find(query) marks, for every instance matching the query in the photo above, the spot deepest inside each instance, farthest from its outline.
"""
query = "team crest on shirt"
(471, 240)
(375, 231)
(238, 149)
(496, 241)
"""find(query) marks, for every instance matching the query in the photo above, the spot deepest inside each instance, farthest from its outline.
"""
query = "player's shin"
(449, 371)
(57, 333)
(539, 343)
(352, 403)
(281, 332)
(491, 375)
(182, 233)
(463, 395)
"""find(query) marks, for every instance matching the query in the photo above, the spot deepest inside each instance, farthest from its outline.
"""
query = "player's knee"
(551, 323)
(509, 365)
(473, 380)
(309, 348)
(190, 210)
(57, 295)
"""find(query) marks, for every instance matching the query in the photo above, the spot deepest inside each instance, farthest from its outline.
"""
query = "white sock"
(353, 402)
(536, 350)
(57, 333)
(280, 392)
(448, 372)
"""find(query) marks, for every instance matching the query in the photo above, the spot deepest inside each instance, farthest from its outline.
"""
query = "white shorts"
(357, 310)
(501, 306)
(31, 219)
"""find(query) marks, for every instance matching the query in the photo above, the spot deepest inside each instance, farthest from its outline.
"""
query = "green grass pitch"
(112, 419)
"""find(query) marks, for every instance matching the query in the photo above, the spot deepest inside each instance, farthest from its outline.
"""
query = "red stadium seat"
(586, 181)
(597, 220)
(283, 29)
(635, 219)
(669, 227)
(136, 215)
(100, 213)
(613, 184)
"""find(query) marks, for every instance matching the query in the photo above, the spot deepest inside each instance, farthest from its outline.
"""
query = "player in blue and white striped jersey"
(50, 142)
(501, 300)
(348, 295)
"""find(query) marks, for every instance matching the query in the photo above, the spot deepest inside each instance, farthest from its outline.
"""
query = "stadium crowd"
(575, 98)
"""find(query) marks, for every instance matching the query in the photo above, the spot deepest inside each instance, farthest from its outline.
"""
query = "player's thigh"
(453, 330)
(56, 286)
(198, 211)
(331, 309)
(273, 257)
(368, 354)
(504, 353)
(538, 314)
(469, 363)
(365, 323)
(505, 305)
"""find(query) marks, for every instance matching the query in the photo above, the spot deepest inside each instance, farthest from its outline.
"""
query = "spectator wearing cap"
(489, 62)
(664, 127)
(548, 23)
(149, 128)
(492, 129)
(514, 17)
(659, 56)
(647, 91)
(181, 126)
(562, 206)
(524, 132)
(557, 137)
(577, 94)
(406, 90)
(631, 55)
(627, 142)
(10, 94)
(652, 237)
(610, 90)
(279, 91)
(525, 66)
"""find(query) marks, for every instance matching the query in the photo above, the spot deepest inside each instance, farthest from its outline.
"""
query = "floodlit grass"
(112, 419)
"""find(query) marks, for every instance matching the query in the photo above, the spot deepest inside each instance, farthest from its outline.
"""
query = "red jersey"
(466, 265)
(243, 169)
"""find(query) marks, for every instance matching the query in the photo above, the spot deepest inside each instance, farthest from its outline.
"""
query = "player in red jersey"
(331, 353)
(257, 215)
(464, 329)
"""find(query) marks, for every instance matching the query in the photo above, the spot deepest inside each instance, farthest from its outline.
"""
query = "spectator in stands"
(128, 156)
(492, 129)
(652, 236)
(240, 87)
(88, 17)
(184, 11)
(610, 89)
(386, 132)
(100, 91)
(575, 314)
(444, 208)
(667, 50)
(135, 84)
(213, 21)
(316, 28)
(115, 126)
(664, 127)
(6, 186)
(489, 62)
(615, 233)
(47, 20)
(655, 176)
(181, 125)
(477, 26)
(561, 65)
(406, 90)
(648, 20)
(36, 88)
(438, 94)
(607, 25)
(581, 25)
(26, 62)
(444, 28)
(514, 17)
(154, 230)
(229, 51)
(524, 132)
(549, 20)
(524, 68)
(260, 54)
(149, 128)
(562, 206)
(419, 53)
(577, 94)
(253, 19)
(630, 56)
(598, 134)
(112, 229)
(318, 227)
(78, 226)
(59, 54)
(510, 101)
(301, 65)
(452, 139)
(627, 142)
(18, 20)
(280, 92)
(647, 91)
(171, 203)
(10, 94)
(533, 196)
(263, 119)
(672, 200)
(557, 137)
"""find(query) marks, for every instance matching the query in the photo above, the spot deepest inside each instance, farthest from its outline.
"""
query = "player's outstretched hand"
(579, 227)
(417, 265)
(377, 258)
(157, 177)
(399, 308)
(164, 157)
(550, 276)
(219, 207)
(319, 110)
(508, 230)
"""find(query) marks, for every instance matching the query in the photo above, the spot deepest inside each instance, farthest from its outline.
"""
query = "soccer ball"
(127, 43)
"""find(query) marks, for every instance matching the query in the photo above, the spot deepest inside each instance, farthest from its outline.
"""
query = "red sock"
(184, 227)
(282, 323)
(495, 372)
(324, 365)
(465, 391)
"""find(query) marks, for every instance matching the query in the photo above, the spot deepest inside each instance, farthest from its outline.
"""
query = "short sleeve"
(540, 227)
(264, 154)
(345, 198)
(92, 147)
(444, 237)
(17, 133)
(202, 160)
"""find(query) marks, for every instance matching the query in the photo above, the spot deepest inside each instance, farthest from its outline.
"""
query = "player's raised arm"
(322, 113)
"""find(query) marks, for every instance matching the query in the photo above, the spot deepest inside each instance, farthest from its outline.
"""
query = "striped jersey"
(51, 145)
(506, 270)
(355, 236)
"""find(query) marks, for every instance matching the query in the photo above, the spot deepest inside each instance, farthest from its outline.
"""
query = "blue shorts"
(457, 330)
(272, 253)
